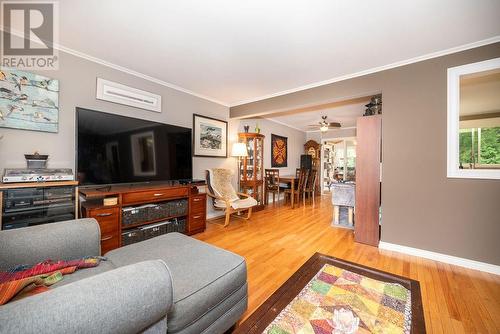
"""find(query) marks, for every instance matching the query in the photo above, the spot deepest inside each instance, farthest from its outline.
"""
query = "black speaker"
(306, 161)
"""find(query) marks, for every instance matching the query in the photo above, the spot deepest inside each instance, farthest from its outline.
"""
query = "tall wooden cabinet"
(252, 167)
(313, 148)
(368, 159)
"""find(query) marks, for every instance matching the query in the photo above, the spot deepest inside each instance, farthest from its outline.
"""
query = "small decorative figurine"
(374, 107)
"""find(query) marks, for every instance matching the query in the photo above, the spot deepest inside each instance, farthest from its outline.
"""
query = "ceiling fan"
(324, 125)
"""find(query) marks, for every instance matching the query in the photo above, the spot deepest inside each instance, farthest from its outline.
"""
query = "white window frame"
(454, 73)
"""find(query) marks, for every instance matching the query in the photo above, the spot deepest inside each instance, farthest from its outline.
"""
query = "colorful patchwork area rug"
(340, 301)
(328, 295)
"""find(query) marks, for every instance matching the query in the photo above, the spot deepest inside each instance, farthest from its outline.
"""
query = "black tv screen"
(117, 149)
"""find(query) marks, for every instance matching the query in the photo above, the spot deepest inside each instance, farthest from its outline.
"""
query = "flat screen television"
(113, 149)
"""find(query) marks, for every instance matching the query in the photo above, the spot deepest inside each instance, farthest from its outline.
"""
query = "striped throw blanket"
(23, 280)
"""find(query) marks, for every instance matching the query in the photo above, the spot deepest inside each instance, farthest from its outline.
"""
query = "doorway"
(338, 161)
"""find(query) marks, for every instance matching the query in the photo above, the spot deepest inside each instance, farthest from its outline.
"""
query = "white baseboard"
(457, 261)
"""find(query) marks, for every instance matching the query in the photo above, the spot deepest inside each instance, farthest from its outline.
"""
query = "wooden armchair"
(224, 196)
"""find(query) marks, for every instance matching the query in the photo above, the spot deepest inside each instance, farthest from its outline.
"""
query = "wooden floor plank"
(278, 240)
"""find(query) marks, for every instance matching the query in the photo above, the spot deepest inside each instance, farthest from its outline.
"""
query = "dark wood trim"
(487, 115)
(250, 135)
(268, 311)
(193, 132)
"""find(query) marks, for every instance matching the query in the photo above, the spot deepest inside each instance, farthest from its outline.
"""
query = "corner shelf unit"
(252, 167)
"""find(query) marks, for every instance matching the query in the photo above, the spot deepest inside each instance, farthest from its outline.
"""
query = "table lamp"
(239, 150)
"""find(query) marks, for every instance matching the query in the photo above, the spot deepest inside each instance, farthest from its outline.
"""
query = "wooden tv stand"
(109, 217)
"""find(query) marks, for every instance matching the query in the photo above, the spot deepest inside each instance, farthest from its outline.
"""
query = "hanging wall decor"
(279, 151)
(209, 137)
(28, 101)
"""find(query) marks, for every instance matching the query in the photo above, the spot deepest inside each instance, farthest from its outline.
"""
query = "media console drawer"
(198, 203)
(108, 219)
(109, 242)
(153, 195)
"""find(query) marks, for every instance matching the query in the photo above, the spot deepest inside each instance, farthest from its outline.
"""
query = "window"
(479, 148)
(474, 120)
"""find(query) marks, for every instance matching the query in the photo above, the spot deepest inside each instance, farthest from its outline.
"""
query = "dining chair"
(310, 188)
(300, 186)
(272, 184)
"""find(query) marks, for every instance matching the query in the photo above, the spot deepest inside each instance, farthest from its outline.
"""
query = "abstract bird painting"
(28, 101)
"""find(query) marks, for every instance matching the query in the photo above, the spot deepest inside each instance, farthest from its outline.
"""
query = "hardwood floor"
(278, 240)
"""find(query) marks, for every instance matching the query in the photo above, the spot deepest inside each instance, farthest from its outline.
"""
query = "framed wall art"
(209, 137)
(28, 101)
(279, 151)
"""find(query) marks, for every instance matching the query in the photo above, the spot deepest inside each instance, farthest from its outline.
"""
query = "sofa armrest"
(66, 240)
(128, 299)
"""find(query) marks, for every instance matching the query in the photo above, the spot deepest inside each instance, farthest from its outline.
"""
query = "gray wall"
(77, 88)
(422, 208)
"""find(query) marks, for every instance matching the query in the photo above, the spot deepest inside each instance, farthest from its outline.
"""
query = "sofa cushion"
(84, 273)
(203, 276)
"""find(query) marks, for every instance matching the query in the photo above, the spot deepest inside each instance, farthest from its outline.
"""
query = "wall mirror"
(474, 120)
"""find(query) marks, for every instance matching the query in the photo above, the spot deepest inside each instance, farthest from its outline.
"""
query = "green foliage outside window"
(489, 146)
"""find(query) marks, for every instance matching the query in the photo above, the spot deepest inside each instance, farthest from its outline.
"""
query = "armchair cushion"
(243, 203)
(220, 182)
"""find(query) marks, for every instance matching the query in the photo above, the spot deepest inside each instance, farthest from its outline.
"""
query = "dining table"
(290, 179)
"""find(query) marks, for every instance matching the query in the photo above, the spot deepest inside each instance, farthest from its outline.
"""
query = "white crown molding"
(436, 54)
(96, 60)
(136, 74)
(454, 260)
(103, 62)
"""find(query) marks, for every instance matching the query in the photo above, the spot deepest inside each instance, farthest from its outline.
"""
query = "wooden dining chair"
(299, 187)
(310, 188)
(272, 184)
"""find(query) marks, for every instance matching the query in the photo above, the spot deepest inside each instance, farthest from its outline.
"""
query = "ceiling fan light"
(323, 128)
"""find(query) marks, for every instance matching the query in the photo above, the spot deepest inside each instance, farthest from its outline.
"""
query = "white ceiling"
(345, 115)
(233, 51)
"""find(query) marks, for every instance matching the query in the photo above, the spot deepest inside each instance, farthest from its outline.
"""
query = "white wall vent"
(114, 92)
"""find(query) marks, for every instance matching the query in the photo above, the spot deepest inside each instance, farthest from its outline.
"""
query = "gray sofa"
(168, 284)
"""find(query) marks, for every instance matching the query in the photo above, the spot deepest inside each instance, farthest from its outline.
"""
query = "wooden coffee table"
(268, 311)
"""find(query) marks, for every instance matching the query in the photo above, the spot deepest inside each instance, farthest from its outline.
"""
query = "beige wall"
(421, 207)
(296, 141)
(340, 133)
(77, 78)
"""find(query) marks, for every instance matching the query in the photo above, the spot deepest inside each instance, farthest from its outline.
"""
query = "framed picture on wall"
(209, 137)
(279, 151)
(28, 101)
